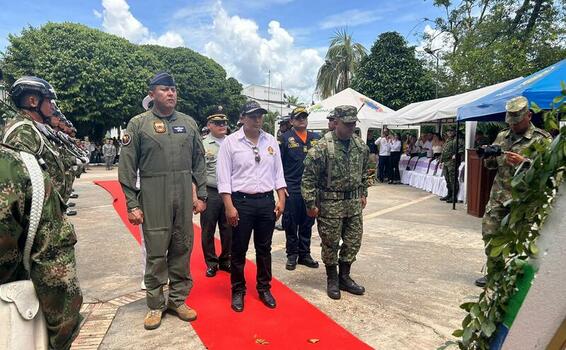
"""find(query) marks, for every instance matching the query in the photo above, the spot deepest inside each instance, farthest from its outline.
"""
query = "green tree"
(101, 79)
(292, 100)
(506, 38)
(342, 60)
(391, 74)
(269, 122)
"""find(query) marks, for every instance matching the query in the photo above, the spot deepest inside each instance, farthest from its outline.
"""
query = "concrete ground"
(418, 261)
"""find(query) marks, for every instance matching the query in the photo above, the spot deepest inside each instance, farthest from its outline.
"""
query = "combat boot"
(346, 283)
(184, 312)
(152, 319)
(332, 289)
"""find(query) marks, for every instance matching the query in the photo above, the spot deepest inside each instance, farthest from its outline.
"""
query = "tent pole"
(457, 163)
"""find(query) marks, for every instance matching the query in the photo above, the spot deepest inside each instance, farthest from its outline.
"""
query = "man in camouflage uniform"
(448, 157)
(334, 187)
(165, 146)
(28, 129)
(513, 141)
(53, 267)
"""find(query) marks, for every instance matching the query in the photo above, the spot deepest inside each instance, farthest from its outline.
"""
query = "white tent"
(371, 114)
(440, 108)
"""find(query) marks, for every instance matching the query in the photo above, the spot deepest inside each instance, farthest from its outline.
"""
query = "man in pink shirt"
(248, 169)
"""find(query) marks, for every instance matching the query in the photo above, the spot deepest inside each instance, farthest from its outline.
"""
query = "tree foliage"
(101, 79)
(496, 40)
(391, 74)
(342, 60)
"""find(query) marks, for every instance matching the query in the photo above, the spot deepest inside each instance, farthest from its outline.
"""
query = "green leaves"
(509, 249)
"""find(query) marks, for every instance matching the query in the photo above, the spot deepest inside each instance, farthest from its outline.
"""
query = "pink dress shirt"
(238, 171)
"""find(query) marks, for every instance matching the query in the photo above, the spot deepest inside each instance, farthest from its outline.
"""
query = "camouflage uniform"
(53, 268)
(450, 167)
(338, 192)
(26, 135)
(501, 191)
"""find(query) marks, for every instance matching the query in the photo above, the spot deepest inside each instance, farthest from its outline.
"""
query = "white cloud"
(97, 14)
(117, 19)
(236, 43)
(350, 18)
(435, 40)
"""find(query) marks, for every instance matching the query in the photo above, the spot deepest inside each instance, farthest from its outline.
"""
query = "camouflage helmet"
(516, 110)
(346, 113)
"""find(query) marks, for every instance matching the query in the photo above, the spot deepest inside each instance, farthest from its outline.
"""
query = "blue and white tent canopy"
(541, 87)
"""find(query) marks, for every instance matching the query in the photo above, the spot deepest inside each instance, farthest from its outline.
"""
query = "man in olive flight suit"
(166, 147)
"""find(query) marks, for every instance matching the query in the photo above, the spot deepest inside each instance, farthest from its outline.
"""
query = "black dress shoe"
(238, 301)
(70, 204)
(291, 262)
(308, 261)
(224, 267)
(481, 282)
(74, 195)
(70, 212)
(267, 299)
(444, 198)
(211, 271)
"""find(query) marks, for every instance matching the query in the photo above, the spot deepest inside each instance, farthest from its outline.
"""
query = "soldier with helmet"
(217, 124)
(55, 280)
(334, 187)
(513, 142)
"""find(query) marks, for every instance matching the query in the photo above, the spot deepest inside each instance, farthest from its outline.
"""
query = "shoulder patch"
(126, 139)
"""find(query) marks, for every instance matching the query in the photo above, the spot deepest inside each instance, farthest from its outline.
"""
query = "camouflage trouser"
(490, 224)
(331, 230)
(449, 173)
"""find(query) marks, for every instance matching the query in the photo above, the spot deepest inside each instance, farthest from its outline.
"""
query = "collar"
(212, 139)
(240, 135)
(528, 134)
(173, 116)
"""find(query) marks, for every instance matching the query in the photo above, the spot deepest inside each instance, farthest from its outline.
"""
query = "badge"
(270, 150)
(292, 142)
(159, 126)
(126, 139)
(179, 130)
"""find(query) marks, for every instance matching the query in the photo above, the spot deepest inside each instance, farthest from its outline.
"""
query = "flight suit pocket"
(155, 202)
(156, 242)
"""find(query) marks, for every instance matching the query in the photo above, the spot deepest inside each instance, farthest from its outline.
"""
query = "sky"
(251, 38)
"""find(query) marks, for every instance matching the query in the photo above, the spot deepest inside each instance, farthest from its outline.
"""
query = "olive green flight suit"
(170, 156)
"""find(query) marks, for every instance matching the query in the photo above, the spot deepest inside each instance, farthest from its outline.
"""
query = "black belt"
(252, 195)
(334, 195)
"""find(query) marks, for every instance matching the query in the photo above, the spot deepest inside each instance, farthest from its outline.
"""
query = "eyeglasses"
(256, 153)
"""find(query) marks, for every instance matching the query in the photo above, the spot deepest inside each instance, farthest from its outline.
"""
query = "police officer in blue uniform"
(295, 144)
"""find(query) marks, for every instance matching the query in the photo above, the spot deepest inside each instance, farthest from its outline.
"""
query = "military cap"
(162, 78)
(517, 108)
(299, 111)
(346, 113)
(330, 115)
(217, 115)
(251, 107)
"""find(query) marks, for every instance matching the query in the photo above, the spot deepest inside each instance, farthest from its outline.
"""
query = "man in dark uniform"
(215, 212)
(295, 144)
(166, 147)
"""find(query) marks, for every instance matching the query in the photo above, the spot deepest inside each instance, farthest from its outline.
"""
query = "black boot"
(291, 262)
(348, 284)
(332, 289)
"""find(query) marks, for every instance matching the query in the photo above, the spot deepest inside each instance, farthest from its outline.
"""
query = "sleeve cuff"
(224, 188)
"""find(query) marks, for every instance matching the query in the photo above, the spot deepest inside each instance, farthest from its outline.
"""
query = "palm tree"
(342, 59)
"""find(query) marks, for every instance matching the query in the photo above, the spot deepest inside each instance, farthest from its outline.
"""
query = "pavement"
(418, 261)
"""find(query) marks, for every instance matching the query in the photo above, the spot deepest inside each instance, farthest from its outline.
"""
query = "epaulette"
(543, 132)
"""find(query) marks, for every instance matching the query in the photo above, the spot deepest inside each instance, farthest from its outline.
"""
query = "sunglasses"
(256, 153)
(219, 123)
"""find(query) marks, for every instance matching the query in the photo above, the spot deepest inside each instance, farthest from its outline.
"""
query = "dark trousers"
(214, 214)
(383, 168)
(256, 214)
(297, 225)
(394, 161)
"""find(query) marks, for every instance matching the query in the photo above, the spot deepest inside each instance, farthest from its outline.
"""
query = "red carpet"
(294, 324)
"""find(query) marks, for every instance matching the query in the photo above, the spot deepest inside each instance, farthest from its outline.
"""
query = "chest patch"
(159, 127)
(179, 129)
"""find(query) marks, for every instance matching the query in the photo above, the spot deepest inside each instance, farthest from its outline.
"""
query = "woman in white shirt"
(395, 147)
(437, 144)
